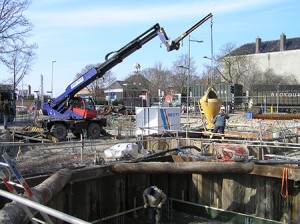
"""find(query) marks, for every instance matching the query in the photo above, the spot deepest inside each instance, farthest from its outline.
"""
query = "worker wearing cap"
(220, 122)
(154, 198)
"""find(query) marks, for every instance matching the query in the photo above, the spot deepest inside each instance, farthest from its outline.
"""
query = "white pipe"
(43, 208)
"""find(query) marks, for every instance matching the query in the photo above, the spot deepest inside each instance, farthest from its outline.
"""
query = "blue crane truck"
(69, 113)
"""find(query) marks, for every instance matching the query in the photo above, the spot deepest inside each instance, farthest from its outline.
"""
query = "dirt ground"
(38, 157)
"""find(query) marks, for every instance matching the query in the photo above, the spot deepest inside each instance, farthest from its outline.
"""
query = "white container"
(157, 120)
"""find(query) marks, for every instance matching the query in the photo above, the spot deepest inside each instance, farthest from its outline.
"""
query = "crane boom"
(98, 72)
(183, 35)
(70, 113)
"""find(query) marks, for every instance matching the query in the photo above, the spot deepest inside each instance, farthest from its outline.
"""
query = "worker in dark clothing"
(154, 198)
(220, 122)
(5, 108)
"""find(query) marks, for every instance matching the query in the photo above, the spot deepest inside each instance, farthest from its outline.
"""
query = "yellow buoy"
(211, 106)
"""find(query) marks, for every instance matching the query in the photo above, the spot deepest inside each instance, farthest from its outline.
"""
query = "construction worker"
(5, 108)
(220, 122)
(154, 198)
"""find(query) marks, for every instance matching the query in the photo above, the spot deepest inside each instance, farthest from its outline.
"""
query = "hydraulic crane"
(76, 114)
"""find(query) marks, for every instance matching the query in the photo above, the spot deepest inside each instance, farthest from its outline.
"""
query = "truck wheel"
(59, 131)
(93, 130)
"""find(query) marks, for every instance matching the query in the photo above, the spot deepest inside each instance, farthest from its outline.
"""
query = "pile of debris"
(120, 109)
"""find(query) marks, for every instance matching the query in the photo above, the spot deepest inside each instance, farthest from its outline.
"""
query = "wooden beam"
(89, 173)
(276, 171)
(183, 168)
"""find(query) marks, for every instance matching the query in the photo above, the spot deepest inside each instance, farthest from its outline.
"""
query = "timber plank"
(276, 171)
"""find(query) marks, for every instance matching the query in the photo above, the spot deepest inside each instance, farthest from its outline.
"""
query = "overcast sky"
(76, 33)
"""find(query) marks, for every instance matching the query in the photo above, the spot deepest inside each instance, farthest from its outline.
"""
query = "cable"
(284, 181)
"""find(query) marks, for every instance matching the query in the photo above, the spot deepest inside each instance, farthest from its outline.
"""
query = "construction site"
(251, 175)
(66, 163)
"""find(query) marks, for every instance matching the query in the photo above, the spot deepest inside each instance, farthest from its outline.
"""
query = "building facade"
(282, 56)
(134, 91)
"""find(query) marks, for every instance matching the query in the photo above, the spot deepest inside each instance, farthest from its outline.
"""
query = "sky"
(76, 33)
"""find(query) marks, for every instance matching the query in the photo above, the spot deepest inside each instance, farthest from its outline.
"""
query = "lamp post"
(36, 102)
(187, 99)
(52, 80)
(22, 93)
(277, 97)
(188, 84)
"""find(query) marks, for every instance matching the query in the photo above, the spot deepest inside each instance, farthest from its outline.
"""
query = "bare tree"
(290, 79)
(14, 28)
(159, 76)
(210, 75)
(181, 70)
(254, 77)
(271, 77)
(15, 53)
(238, 67)
(204, 77)
(19, 62)
(235, 65)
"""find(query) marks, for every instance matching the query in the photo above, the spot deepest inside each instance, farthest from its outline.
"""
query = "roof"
(268, 46)
(137, 82)
(117, 85)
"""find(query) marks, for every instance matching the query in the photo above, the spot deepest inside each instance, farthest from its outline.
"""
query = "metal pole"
(188, 91)
(22, 94)
(194, 106)
(43, 208)
(277, 97)
(42, 91)
(52, 80)
(211, 49)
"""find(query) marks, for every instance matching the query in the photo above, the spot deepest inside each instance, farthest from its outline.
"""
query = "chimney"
(282, 42)
(257, 45)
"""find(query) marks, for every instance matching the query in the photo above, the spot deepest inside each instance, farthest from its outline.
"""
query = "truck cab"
(84, 106)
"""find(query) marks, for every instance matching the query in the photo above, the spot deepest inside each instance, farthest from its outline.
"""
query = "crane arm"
(183, 35)
(116, 57)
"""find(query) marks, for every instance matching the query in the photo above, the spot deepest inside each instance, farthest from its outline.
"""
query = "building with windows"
(135, 91)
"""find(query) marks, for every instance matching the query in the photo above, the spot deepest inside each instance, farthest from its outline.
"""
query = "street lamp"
(187, 99)
(277, 98)
(52, 80)
(188, 84)
(36, 102)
